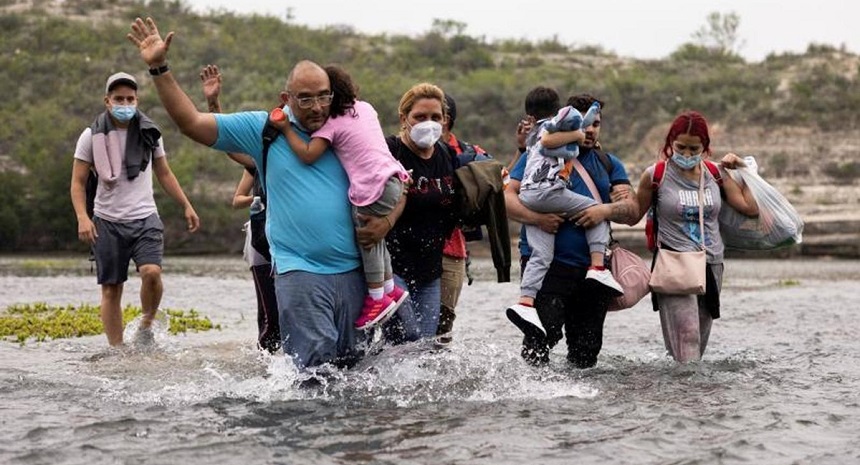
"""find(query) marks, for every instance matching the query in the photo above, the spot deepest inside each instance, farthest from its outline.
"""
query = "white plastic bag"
(778, 224)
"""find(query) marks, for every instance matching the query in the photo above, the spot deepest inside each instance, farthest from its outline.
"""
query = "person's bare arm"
(644, 194)
(243, 197)
(516, 211)
(243, 159)
(210, 78)
(171, 185)
(553, 140)
(624, 208)
(200, 127)
(624, 211)
(86, 228)
(308, 152)
(738, 196)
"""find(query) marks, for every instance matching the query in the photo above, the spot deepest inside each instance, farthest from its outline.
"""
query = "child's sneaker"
(398, 295)
(375, 312)
(526, 318)
(605, 278)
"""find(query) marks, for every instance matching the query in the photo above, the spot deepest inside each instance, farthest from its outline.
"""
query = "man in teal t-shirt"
(319, 284)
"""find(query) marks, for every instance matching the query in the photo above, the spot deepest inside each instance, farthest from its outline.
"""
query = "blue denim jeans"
(418, 317)
(317, 316)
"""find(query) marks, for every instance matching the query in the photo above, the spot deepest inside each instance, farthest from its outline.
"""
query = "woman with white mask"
(417, 238)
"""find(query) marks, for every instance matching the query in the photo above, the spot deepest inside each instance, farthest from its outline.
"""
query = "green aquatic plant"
(47, 264)
(41, 321)
(182, 321)
(789, 282)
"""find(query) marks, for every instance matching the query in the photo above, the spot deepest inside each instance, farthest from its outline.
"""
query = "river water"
(778, 385)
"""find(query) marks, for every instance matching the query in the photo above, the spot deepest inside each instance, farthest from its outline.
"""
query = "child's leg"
(598, 239)
(388, 273)
(383, 206)
(373, 260)
(543, 249)
(571, 203)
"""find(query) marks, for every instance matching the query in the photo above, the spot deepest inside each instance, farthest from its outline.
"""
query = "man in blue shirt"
(319, 284)
(565, 300)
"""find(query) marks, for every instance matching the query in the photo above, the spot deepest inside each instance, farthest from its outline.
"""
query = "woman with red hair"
(686, 319)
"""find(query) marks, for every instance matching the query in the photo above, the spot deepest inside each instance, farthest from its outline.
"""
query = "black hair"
(345, 91)
(452, 110)
(542, 102)
(582, 102)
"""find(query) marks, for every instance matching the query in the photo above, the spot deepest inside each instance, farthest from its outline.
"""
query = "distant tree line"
(54, 66)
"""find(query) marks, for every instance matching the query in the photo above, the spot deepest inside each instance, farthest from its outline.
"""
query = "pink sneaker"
(398, 295)
(375, 312)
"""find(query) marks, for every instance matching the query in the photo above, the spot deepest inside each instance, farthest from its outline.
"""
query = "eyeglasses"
(693, 149)
(308, 102)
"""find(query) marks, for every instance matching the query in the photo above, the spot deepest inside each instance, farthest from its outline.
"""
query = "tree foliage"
(53, 66)
(720, 33)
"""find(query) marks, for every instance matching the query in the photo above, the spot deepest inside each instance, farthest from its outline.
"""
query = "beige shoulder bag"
(682, 273)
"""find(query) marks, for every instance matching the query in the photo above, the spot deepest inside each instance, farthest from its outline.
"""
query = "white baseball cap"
(120, 78)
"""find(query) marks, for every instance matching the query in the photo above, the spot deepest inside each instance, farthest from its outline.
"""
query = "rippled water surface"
(778, 385)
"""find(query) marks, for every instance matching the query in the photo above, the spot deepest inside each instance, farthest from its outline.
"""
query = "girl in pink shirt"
(375, 179)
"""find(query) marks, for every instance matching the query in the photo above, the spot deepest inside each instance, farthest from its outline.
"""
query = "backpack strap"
(715, 172)
(605, 161)
(657, 177)
(453, 156)
(91, 187)
(270, 133)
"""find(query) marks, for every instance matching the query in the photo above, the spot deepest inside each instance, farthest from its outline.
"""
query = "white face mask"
(425, 133)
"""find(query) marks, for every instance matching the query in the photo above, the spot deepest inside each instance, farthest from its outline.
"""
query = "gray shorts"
(117, 243)
(387, 200)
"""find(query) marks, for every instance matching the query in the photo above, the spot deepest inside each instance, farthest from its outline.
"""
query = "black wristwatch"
(160, 70)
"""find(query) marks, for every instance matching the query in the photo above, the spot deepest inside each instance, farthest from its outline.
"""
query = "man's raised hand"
(211, 78)
(153, 49)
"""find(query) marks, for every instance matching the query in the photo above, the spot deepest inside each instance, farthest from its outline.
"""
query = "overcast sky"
(630, 28)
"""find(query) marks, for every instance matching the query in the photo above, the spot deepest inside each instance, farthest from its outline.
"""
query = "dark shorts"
(117, 243)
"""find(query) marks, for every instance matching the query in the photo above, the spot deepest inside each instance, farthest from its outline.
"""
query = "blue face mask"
(123, 113)
(686, 163)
